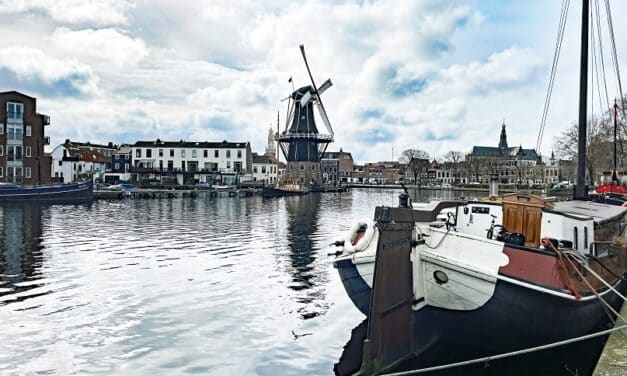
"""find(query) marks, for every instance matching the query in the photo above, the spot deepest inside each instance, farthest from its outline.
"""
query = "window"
(27, 172)
(182, 153)
(205, 153)
(148, 153)
(29, 130)
(14, 110)
(1, 171)
(14, 153)
(28, 151)
(14, 132)
(228, 164)
(239, 154)
(194, 153)
(216, 153)
(1, 128)
(170, 165)
(138, 153)
(255, 169)
(228, 154)
(1, 149)
(171, 152)
(117, 166)
(263, 169)
(161, 164)
(60, 163)
(161, 152)
(585, 238)
(575, 238)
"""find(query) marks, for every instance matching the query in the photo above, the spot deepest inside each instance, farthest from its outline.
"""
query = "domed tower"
(301, 142)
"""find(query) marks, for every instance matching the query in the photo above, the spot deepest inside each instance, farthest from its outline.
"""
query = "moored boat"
(66, 192)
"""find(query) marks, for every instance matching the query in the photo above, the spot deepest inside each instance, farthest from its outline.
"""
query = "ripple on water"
(199, 286)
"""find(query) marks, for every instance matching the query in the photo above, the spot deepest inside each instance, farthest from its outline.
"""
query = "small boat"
(283, 190)
(66, 192)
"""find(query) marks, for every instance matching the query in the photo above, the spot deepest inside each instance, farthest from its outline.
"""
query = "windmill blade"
(325, 118)
(302, 51)
(327, 84)
(323, 112)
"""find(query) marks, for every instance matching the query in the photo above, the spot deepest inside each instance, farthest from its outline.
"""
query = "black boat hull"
(278, 192)
(515, 318)
(356, 287)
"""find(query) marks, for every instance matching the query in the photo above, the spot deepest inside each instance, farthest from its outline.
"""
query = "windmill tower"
(301, 142)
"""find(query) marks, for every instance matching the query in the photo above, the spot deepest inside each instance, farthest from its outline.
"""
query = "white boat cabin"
(570, 224)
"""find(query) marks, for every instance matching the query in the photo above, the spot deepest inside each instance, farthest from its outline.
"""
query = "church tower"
(271, 146)
(503, 140)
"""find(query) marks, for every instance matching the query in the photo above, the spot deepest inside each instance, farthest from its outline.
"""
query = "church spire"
(503, 140)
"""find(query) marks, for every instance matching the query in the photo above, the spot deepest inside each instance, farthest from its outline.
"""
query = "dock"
(140, 193)
(613, 360)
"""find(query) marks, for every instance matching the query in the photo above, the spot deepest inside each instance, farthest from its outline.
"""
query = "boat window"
(575, 238)
(585, 238)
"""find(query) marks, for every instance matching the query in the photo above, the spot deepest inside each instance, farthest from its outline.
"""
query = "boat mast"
(615, 172)
(276, 183)
(583, 92)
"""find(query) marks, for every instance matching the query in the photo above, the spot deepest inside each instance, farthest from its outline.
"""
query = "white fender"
(364, 241)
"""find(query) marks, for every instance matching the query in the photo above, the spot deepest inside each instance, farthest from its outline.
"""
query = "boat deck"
(599, 212)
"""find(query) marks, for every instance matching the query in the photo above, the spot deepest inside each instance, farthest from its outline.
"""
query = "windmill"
(301, 142)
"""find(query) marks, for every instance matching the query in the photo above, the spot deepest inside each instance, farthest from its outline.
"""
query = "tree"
(452, 160)
(416, 162)
(599, 143)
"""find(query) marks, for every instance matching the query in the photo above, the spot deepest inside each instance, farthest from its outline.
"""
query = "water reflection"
(302, 225)
(21, 254)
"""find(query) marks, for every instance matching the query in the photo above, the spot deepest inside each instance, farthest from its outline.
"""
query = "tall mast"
(277, 149)
(583, 92)
(615, 172)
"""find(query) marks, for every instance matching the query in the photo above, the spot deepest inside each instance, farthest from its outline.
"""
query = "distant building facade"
(264, 169)
(188, 162)
(22, 140)
(77, 161)
(337, 167)
(509, 165)
(386, 172)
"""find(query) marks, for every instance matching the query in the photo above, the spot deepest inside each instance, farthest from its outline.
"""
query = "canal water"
(221, 286)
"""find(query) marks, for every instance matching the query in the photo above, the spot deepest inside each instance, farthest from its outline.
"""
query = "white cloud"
(30, 64)
(95, 12)
(100, 46)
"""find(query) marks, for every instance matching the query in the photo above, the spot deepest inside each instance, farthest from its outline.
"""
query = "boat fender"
(362, 243)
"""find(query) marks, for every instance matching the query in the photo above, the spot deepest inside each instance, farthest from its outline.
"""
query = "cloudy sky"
(432, 75)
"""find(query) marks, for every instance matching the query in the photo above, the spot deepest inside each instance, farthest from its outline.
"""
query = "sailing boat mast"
(615, 172)
(583, 104)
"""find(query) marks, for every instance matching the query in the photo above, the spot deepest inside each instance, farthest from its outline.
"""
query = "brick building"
(22, 140)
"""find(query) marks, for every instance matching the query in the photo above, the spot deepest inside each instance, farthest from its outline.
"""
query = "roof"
(262, 159)
(516, 151)
(68, 143)
(600, 212)
(16, 92)
(191, 144)
(76, 154)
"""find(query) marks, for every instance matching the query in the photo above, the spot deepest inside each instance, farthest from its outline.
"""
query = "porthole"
(440, 277)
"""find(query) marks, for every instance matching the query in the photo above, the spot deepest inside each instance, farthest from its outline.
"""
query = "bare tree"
(452, 160)
(416, 162)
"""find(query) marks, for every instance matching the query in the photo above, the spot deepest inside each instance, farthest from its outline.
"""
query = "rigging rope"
(599, 34)
(556, 55)
(614, 55)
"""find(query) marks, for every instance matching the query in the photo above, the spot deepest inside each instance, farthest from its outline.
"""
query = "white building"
(78, 161)
(191, 162)
(264, 169)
